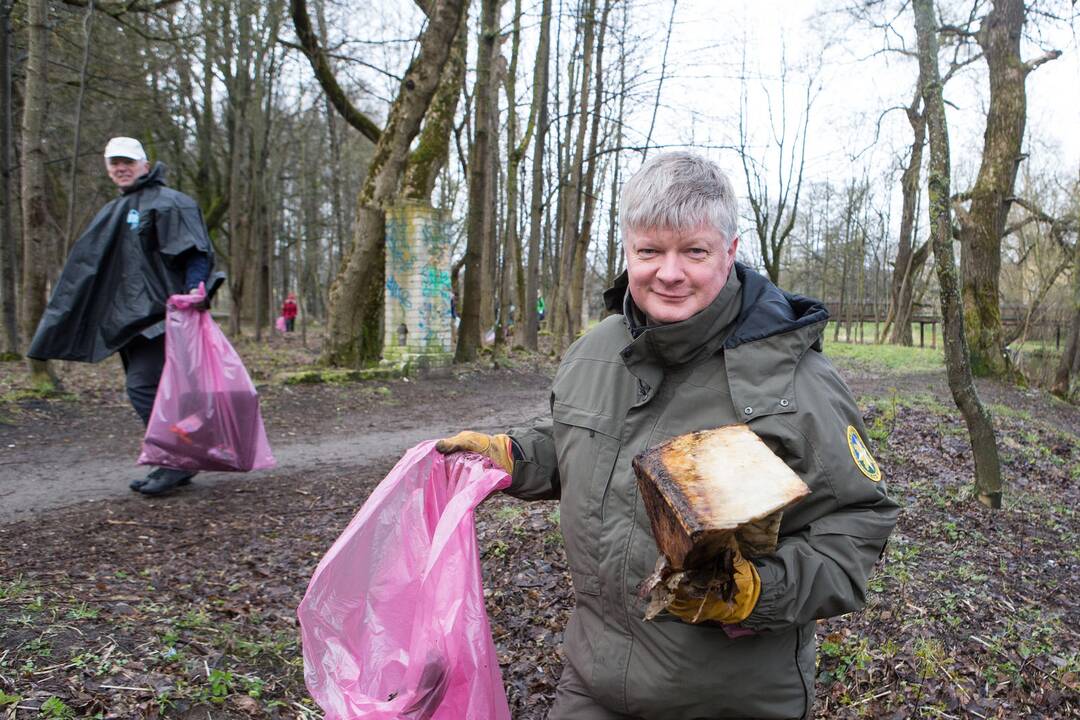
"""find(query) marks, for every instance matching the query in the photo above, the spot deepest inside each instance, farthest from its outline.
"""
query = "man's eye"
(648, 252)
(697, 252)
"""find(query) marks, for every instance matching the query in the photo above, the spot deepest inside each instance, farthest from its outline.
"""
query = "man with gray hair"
(699, 341)
(143, 246)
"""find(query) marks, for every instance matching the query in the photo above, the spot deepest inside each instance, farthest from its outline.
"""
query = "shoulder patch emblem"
(861, 455)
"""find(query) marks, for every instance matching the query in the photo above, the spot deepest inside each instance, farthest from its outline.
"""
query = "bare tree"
(982, 224)
(537, 204)
(909, 258)
(8, 249)
(480, 210)
(37, 222)
(774, 219)
(356, 298)
(961, 383)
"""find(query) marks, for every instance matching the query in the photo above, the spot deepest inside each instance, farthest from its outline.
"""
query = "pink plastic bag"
(394, 624)
(280, 323)
(206, 413)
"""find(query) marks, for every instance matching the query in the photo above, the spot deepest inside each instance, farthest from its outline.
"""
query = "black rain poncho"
(121, 271)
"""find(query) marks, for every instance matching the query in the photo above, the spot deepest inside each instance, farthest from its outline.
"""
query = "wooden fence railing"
(1045, 328)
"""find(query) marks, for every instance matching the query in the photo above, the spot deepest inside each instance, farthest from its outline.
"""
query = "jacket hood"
(767, 310)
(156, 176)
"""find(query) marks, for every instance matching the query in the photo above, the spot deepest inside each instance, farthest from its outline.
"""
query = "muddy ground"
(114, 605)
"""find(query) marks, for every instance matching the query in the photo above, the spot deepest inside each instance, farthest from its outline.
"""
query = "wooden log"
(699, 489)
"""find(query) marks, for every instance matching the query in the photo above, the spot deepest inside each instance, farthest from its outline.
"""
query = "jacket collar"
(156, 176)
(763, 331)
(681, 342)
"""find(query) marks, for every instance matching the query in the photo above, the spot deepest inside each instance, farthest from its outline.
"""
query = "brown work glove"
(759, 537)
(691, 608)
(495, 447)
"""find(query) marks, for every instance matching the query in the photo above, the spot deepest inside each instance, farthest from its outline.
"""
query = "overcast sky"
(855, 86)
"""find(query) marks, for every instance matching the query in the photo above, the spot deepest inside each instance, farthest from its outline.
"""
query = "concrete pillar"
(417, 317)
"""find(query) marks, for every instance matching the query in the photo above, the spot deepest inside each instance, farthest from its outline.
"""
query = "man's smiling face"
(125, 171)
(675, 274)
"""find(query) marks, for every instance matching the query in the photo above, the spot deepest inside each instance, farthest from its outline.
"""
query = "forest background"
(296, 125)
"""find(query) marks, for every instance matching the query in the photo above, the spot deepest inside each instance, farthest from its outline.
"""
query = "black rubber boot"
(166, 480)
(138, 483)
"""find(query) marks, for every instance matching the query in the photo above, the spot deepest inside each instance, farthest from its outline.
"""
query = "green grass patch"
(12, 589)
(886, 359)
(42, 392)
(338, 377)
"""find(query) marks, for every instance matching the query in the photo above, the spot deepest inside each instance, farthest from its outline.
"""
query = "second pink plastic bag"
(206, 412)
(394, 623)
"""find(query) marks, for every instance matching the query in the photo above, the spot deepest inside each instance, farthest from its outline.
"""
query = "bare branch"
(325, 74)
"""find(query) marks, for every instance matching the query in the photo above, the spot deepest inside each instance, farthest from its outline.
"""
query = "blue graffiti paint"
(397, 292)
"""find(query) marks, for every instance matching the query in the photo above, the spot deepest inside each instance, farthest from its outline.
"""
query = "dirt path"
(117, 605)
(70, 454)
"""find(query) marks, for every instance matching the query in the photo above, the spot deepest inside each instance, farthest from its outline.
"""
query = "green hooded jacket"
(752, 356)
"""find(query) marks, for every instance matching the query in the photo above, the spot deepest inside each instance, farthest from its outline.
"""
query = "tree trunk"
(537, 204)
(8, 250)
(982, 227)
(471, 330)
(908, 260)
(1067, 376)
(589, 190)
(76, 143)
(35, 209)
(980, 427)
(512, 271)
(565, 322)
(433, 147)
(353, 332)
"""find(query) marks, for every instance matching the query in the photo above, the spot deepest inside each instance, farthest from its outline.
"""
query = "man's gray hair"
(679, 191)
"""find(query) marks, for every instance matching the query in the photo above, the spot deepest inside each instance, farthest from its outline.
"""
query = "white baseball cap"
(125, 147)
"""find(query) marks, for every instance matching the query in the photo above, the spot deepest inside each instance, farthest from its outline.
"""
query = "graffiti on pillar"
(418, 290)
(437, 241)
(397, 245)
(394, 290)
(435, 287)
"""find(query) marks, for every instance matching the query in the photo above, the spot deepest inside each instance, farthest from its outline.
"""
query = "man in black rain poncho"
(142, 247)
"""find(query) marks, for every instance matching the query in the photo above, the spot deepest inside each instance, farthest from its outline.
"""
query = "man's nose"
(670, 270)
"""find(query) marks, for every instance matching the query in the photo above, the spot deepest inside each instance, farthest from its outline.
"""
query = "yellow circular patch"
(862, 457)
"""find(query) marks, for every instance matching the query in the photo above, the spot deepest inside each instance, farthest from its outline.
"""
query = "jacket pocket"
(586, 446)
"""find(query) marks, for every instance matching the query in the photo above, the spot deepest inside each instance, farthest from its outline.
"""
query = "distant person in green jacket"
(701, 341)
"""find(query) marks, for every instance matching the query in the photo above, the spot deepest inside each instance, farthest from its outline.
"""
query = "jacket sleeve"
(180, 229)
(536, 468)
(830, 540)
